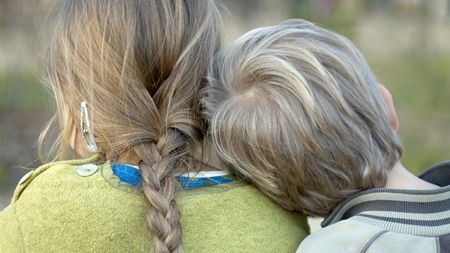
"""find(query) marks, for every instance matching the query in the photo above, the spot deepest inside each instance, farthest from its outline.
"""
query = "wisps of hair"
(139, 65)
(295, 109)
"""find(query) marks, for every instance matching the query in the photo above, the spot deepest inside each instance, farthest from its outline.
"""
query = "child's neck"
(401, 178)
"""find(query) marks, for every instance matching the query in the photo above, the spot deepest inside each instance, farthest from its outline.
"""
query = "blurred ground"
(405, 42)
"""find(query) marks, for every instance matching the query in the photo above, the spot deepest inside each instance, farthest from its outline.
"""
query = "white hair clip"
(86, 129)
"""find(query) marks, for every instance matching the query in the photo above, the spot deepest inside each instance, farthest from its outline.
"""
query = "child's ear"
(390, 104)
(77, 144)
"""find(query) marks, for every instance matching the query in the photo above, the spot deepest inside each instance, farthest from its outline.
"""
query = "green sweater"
(55, 209)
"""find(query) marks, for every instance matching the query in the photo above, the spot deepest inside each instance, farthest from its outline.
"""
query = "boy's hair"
(295, 109)
(139, 65)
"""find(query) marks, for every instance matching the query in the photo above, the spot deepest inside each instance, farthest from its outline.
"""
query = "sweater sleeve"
(10, 233)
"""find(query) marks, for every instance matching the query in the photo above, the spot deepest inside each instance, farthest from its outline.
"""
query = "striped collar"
(418, 212)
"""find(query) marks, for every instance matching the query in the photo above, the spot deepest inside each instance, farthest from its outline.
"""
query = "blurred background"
(406, 42)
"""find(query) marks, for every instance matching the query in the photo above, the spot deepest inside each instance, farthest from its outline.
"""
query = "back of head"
(139, 65)
(295, 109)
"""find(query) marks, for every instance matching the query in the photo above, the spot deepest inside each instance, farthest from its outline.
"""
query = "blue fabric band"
(132, 176)
(128, 174)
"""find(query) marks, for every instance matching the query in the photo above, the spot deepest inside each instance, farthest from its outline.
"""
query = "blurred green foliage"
(23, 111)
(341, 16)
(2, 176)
(22, 92)
(4, 91)
(421, 90)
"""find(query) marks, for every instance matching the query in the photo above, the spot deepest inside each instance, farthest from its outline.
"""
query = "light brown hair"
(295, 109)
(139, 65)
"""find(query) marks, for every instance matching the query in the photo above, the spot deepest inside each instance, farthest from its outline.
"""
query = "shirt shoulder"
(346, 236)
(75, 202)
(10, 239)
(237, 217)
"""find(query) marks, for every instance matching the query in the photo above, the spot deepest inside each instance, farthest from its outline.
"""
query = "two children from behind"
(295, 109)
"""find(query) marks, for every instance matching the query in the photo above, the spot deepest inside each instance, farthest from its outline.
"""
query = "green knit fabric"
(57, 210)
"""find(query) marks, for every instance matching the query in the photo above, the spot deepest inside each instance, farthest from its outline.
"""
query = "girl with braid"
(126, 77)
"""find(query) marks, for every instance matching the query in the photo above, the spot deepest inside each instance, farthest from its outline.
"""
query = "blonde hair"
(139, 65)
(295, 109)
